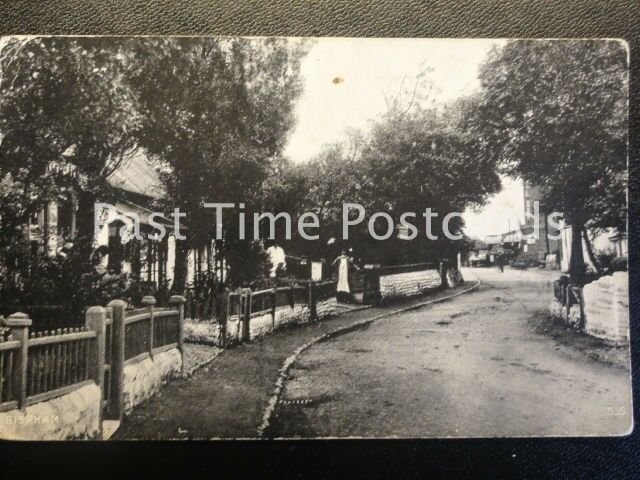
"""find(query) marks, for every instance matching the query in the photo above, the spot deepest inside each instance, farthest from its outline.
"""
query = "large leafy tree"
(216, 115)
(554, 114)
(335, 176)
(413, 158)
(426, 158)
(67, 116)
(319, 186)
(66, 124)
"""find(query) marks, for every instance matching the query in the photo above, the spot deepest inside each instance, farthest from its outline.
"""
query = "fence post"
(19, 324)
(117, 358)
(292, 295)
(444, 264)
(247, 314)
(149, 301)
(242, 307)
(179, 301)
(224, 315)
(211, 304)
(95, 320)
(581, 302)
(312, 301)
(273, 297)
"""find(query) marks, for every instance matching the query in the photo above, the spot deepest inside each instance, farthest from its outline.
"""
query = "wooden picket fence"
(39, 366)
(200, 303)
(42, 365)
(150, 330)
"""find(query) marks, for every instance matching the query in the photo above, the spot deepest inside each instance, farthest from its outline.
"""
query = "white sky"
(369, 67)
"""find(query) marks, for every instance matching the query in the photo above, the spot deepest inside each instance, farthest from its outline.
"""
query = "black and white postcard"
(209, 238)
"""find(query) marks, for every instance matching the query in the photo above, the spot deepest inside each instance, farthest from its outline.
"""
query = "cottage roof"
(138, 175)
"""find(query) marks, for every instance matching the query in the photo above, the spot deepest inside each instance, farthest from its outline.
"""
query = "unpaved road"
(474, 366)
(227, 399)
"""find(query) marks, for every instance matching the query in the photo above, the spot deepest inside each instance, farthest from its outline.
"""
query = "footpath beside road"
(228, 397)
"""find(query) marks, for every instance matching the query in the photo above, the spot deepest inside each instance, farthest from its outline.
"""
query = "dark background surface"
(557, 458)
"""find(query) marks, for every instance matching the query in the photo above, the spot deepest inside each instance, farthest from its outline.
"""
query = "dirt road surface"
(228, 397)
(478, 365)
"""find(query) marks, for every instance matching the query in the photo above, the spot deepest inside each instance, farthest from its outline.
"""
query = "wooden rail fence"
(244, 304)
(39, 366)
(569, 295)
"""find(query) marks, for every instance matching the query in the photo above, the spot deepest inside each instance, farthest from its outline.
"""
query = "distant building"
(540, 245)
(611, 241)
(522, 242)
(495, 239)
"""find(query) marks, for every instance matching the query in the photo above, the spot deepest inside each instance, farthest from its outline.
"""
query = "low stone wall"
(401, 285)
(606, 307)
(260, 325)
(209, 332)
(144, 378)
(233, 329)
(70, 416)
(326, 308)
(204, 332)
(291, 316)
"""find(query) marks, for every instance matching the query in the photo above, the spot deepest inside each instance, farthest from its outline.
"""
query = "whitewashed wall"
(144, 378)
(208, 332)
(72, 416)
(408, 284)
(606, 307)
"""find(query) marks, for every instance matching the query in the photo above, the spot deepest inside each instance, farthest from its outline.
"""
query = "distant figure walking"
(343, 292)
(500, 262)
(278, 260)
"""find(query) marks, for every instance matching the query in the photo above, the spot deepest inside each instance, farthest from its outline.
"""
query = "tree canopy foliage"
(212, 113)
(555, 114)
(67, 122)
(67, 119)
(227, 107)
(413, 158)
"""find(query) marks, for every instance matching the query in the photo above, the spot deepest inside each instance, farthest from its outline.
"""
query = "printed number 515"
(616, 411)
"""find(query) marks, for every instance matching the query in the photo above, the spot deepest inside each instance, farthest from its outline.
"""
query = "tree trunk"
(180, 268)
(546, 235)
(80, 261)
(220, 274)
(592, 256)
(84, 240)
(443, 274)
(576, 260)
